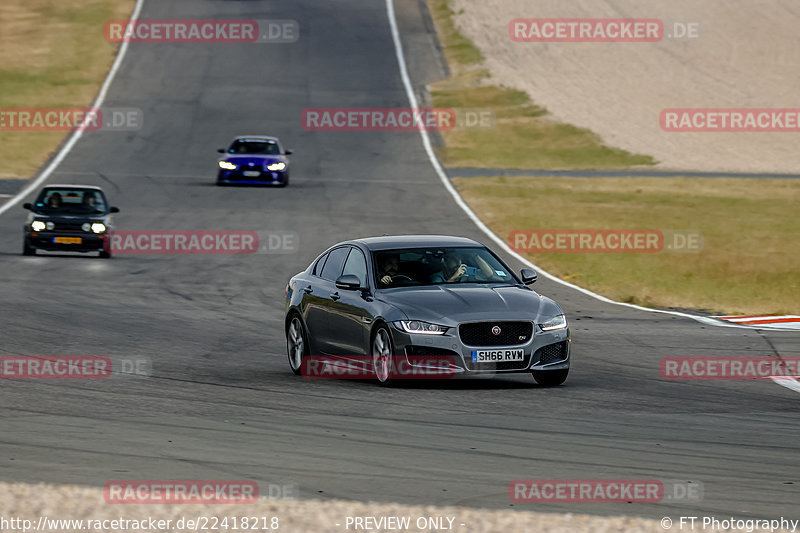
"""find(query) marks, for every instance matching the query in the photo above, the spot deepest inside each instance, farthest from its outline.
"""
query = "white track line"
(789, 383)
(77, 134)
(426, 142)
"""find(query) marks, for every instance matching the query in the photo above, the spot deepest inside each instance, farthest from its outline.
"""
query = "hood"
(67, 217)
(451, 304)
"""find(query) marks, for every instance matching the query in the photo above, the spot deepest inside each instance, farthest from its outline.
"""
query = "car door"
(318, 311)
(350, 316)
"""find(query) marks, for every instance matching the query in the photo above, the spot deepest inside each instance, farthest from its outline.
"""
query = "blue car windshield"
(438, 266)
(240, 146)
(70, 201)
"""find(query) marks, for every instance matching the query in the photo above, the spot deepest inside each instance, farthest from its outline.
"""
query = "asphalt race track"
(221, 402)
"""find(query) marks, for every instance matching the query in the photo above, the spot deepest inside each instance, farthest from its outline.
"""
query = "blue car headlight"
(227, 165)
(419, 327)
(553, 324)
(280, 165)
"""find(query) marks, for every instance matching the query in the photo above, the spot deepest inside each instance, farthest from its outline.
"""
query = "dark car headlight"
(276, 166)
(38, 225)
(553, 324)
(420, 327)
(227, 165)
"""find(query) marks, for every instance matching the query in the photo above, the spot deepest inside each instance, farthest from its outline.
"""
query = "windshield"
(254, 147)
(438, 266)
(70, 201)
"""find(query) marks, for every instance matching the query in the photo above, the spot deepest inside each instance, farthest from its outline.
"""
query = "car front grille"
(551, 353)
(480, 333)
(68, 227)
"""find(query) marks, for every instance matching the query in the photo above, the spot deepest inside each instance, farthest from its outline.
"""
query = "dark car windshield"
(71, 201)
(254, 147)
(438, 266)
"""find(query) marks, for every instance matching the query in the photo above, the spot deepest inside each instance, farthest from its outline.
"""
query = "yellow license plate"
(67, 240)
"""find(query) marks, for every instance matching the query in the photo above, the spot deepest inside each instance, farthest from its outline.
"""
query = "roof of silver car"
(411, 241)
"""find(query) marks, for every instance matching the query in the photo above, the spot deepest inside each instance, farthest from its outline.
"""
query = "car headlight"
(425, 328)
(280, 165)
(38, 225)
(86, 227)
(97, 227)
(49, 225)
(552, 324)
(227, 165)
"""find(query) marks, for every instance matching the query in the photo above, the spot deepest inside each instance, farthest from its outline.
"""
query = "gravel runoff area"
(295, 516)
(745, 57)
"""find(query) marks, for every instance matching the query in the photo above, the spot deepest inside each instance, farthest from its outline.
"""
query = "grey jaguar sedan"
(420, 306)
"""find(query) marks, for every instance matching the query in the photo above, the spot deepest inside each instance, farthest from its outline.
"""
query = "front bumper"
(264, 177)
(46, 240)
(544, 351)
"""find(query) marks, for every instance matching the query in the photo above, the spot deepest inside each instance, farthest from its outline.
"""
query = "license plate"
(251, 173)
(497, 356)
(67, 240)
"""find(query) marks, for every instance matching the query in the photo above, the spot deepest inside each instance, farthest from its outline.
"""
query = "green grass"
(52, 54)
(751, 250)
(457, 48)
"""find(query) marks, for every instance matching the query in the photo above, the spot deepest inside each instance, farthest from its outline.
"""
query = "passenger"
(454, 270)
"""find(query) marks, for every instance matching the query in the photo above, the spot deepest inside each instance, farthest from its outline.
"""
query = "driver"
(54, 201)
(390, 268)
(90, 201)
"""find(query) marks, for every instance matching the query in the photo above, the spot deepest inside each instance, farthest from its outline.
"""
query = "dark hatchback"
(69, 218)
(393, 300)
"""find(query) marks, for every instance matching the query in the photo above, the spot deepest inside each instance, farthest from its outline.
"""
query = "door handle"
(335, 296)
(308, 290)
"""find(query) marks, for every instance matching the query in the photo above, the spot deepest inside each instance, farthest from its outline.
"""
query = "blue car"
(254, 160)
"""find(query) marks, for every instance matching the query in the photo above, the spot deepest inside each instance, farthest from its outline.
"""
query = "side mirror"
(288, 152)
(528, 276)
(26, 205)
(221, 150)
(114, 210)
(348, 282)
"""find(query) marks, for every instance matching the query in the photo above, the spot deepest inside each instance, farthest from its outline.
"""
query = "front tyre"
(550, 378)
(296, 345)
(382, 355)
(27, 249)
